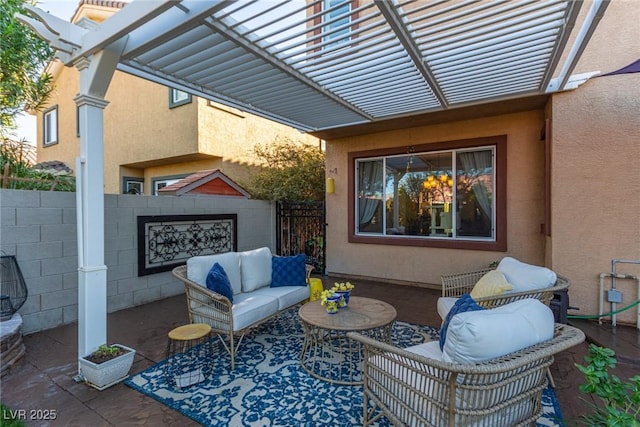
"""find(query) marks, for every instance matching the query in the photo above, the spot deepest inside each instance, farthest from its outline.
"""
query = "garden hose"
(596, 316)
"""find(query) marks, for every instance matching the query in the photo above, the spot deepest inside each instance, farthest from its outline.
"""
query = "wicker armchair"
(454, 285)
(211, 308)
(413, 390)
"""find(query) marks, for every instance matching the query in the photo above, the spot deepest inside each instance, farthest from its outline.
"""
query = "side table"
(189, 355)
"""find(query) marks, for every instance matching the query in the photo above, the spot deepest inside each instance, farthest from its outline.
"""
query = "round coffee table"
(327, 353)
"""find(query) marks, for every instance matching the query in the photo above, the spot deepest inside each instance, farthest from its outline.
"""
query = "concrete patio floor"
(45, 379)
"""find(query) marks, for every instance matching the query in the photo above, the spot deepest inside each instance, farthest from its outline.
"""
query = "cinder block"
(132, 284)
(7, 216)
(119, 302)
(40, 250)
(70, 248)
(70, 314)
(69, 216)
(40, 321)
(20, 198)
(30, 216)
(29, 268)
(118, 243)
(44, 284)
(146, 295)
(59, 265)
(70, 280)
(31, 305)
(182, 202)
(20, 234)
(128, 256)
(132, 201)
(56, 232)
(59, 299)
(58, 199)
(170, 289)
(119, 272)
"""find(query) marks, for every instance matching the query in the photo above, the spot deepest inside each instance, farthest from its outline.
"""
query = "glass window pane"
(369, 195)
(475, 193)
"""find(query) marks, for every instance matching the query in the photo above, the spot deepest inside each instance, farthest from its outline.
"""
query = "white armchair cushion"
(526, 277)
(477, 336)
(255, 267)
(198, 267)
(444, 305)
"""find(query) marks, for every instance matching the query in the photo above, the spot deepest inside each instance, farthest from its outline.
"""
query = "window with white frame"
(50, 126)
(159, 183)
(178, 98)
(336, 21)
(447, 195)
(132, 185)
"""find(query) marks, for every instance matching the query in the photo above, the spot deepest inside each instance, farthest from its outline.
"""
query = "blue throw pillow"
(218, 281)
(288, 271)
(464, 303)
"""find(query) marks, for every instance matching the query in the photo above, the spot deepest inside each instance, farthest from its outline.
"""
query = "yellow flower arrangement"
(342, 287)
(324, 296)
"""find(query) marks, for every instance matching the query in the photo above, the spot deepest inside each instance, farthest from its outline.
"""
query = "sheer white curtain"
(369, 183)
(478, 161)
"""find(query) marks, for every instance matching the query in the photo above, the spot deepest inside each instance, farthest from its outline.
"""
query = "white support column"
(92, 272)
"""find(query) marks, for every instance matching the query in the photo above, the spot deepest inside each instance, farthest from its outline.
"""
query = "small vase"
(344, 298)
(332, 304)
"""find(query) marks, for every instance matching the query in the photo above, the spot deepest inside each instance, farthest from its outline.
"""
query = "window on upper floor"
(178, 98)
(336, 21)
(50, 126)
(161, 182)
(443, 195)
(132, 185)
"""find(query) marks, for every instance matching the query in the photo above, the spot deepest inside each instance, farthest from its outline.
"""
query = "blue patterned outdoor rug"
(269, 387)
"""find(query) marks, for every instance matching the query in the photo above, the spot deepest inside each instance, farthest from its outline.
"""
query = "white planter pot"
(106, 374)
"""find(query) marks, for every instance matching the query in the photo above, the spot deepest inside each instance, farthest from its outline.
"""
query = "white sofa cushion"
(249, 308)
(477, 336)
(255, 268)
(198, 267)
(444, 305)
(286, 295)
(526, 277)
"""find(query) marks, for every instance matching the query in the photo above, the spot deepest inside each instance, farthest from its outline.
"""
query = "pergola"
(316, 65)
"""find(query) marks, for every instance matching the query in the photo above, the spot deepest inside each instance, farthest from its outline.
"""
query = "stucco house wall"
(596, 188)
(422, 265)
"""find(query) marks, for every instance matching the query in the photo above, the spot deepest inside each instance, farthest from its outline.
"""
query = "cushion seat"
(251, 307)
(285, 295)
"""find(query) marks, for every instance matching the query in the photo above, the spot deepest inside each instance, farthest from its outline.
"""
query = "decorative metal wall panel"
(166, 241)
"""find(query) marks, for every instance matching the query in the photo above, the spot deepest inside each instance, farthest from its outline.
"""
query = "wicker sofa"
(254, 299)
(417, 387)
(455, 285)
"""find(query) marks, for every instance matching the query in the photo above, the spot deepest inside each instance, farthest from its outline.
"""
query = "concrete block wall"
(39, 228)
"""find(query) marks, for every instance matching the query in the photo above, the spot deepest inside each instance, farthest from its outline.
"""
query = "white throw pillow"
(255, 267)
(198, 267)
(477, 336)
(526, 277)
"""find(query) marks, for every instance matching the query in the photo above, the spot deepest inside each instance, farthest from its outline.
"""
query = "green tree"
(292, 172)
(23, 55)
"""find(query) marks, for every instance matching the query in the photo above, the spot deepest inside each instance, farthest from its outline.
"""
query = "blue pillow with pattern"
(218, 281)
(288, 271)
(463, 304)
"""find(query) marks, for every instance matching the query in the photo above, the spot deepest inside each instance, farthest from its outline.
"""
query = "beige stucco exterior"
(594, 182)
(145, 138)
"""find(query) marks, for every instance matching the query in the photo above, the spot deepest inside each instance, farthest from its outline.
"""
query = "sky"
(62, 9)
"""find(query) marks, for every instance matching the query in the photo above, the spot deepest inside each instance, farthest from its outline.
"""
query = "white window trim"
(50, 126)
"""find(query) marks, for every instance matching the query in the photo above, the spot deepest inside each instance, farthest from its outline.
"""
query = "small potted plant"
(330, 299)
(106, 366)
(344, 290)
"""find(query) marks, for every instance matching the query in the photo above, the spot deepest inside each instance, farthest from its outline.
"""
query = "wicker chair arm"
(181, 273)
(565, 337)
(454, 285)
